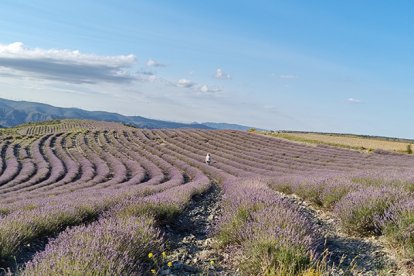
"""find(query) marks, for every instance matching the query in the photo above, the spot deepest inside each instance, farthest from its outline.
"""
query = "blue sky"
(333, 66)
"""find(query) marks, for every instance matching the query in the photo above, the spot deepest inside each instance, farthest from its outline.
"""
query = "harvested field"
(346, 141)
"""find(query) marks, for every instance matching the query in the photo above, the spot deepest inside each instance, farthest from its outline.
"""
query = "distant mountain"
(14, 113)
(227, 126)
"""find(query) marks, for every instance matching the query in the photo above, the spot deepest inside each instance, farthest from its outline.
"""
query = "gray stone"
(177, 265)
(190, 268)
(165, 272)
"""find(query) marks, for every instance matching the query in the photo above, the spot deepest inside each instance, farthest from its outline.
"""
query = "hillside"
(226, 126)
(100, 196)
(13, 113)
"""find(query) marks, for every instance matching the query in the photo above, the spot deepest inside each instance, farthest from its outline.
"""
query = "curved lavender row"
(116, 170)
(12, 165)
(71, 167)
(28, 169)
(57, 167)
(264, 156)
(180, 145)
(78, 168)
(187, 157)
(3, 148)
(42, 168)
(87, 173)
(116, 239)
(135, 172)
(163, 160)
(57, 172)
(271, 154)
(215, 173)
(130, 150)
(189, 153)
(254, 169)
(47, 215)
(86, 252)
(222, 154)
(153, 172)
(251, 157)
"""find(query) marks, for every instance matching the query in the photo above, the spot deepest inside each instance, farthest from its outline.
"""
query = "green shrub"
(409, 150)
(269, 257)
(230, 232)
(400, 233)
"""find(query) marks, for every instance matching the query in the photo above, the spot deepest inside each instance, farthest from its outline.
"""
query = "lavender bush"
(111, 246)
(398, 225)
(359, 211)
(275, 237)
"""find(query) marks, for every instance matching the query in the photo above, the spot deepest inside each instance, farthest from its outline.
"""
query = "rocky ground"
(348, 254)
(191, 248)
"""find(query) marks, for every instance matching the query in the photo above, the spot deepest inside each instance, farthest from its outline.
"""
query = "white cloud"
(221, 75)
(146, 76)
(66, 65)
(154, 63)
(185, 83)
(288, 77)
(353, 100)
(206, 89)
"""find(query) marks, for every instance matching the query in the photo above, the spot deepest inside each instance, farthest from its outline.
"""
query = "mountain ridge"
(13, 113)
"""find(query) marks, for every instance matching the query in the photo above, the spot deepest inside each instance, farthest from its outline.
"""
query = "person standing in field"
(208, 159)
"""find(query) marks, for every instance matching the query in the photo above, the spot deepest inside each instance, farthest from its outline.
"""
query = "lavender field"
(95, 198)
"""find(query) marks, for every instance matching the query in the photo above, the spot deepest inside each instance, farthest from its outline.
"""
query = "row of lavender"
(27, 220)
(255, 218)
(138, 159)
(119, 242)
(376, 200)
(53, 163)
(367, 203)
(136, 235)
(44, 261)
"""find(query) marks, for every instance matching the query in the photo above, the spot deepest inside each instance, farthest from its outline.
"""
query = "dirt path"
(190, 246)
(350, 255)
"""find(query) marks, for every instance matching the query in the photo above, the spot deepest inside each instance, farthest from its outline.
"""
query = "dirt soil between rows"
(191, 246)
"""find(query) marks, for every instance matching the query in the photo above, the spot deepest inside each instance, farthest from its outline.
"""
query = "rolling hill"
(13, 113)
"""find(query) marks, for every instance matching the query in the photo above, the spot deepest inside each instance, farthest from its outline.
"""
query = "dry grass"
(344, 141)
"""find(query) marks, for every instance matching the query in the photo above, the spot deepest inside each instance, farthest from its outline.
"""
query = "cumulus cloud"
(207, 89)
(353, 100)
(154, 63)
(221, 75)
(201, 89)
(66, 65)
(185, 83)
